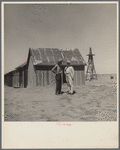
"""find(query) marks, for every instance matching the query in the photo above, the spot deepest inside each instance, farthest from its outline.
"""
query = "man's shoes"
(61, 92)
(68, 92)
(72, 93)
(56, 93)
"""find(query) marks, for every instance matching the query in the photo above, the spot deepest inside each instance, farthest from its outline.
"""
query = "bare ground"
(95, 101)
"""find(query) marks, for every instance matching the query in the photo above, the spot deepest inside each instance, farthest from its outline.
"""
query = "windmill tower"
(90, 73)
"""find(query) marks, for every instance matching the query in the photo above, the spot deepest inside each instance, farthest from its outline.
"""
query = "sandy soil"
(95, 101)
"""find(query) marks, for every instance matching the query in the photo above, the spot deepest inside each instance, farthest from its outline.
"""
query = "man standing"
(69, 72)
(57, 70)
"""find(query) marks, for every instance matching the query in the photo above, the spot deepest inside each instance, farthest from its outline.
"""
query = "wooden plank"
(44, 78)
(40, 77)
(18, 80)
(46, 83)
(83, 77)
(47, 77)
(23, 78)
(51, 77)
(34, 77)
(50, 80)
(78, 78)
(13, 80)
(37, 77)
(26, 77)
(81, 83)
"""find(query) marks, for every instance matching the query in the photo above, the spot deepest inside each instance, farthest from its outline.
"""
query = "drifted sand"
(94, 101)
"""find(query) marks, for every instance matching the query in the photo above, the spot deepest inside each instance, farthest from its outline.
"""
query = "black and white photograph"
(60, 64)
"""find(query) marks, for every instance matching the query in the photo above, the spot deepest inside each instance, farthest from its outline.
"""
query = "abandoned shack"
(17, 77)
(37, 70)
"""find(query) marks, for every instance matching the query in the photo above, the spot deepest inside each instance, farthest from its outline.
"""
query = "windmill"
(90, 73)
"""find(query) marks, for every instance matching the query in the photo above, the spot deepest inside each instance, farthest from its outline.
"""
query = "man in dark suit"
(58, 71)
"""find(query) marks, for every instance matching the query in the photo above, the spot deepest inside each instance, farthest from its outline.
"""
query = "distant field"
(95, 101)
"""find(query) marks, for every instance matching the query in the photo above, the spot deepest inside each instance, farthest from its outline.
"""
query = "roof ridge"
(46, 55)
(40, 55)
(33, 55)
(53, 55)
(65, 55)
(75, 56)
(62, 54)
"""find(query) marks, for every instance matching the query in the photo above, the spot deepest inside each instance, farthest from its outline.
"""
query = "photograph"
(60, 62)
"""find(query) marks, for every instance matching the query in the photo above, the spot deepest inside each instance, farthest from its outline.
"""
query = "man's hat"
(68, 62)
(60, 60)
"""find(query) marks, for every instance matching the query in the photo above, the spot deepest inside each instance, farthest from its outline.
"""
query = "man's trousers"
(58, 83)
(69, 83)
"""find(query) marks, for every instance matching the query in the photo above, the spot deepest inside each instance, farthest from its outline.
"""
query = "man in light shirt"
(69, 72)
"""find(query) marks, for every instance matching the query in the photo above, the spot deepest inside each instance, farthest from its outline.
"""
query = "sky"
(64, 26)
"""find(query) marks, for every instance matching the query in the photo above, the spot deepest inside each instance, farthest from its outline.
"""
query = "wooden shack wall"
(31, 74)
(15, 80)
(79, 78)
(20, 78)
(25, 77)
(44, 76)
(8, 80)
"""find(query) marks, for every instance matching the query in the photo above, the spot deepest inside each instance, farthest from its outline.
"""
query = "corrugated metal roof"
(50, 56)
(22, 65)
(10, 72)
